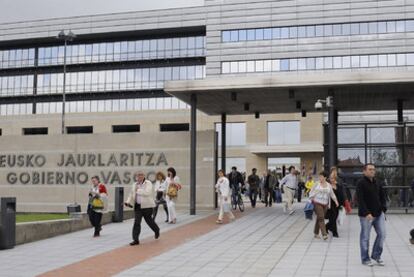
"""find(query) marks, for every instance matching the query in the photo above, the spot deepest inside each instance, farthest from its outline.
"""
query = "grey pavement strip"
(268, 242)
(38, 257)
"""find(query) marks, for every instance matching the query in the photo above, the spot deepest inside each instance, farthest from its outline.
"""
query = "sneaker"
(317, 237)
(157, 235)
(325, 237)
(291, 212)
(380, 262)
(368, 263)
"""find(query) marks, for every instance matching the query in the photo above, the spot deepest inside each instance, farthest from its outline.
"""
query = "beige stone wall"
(49, 195)
(174, 144)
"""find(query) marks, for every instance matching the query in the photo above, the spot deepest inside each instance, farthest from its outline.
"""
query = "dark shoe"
(166, 220)
(335, 235)
(157, 235)
(135, 242)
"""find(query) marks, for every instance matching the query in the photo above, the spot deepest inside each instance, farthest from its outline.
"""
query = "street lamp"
(65, 37)
(75, 207)
(329, 102)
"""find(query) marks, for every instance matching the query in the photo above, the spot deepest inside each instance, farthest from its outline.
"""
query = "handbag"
(97, 204)
(347, 206)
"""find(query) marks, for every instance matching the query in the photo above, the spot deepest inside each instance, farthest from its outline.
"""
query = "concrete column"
(331, 138)
(193, 161)
(400, 111)
(223, 141)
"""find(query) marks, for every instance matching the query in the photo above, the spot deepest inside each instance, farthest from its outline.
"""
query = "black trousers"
(95, 219)
(158, 203)
(332, 215)
(268, 196)
(299, 192)
(147, 215)
(253, 197)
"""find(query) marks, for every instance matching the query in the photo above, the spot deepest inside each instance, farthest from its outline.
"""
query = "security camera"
(318, 105)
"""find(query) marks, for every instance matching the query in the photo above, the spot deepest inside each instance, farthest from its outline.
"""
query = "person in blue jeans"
(371, 210)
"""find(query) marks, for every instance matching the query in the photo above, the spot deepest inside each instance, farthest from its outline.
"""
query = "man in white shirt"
(289, 184)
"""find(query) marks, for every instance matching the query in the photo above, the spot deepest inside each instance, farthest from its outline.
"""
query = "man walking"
(371, 211)
(289, 184)
(269, 186)
(254, 182)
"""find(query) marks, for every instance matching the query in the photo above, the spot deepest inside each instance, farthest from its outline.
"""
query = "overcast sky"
(21, 10)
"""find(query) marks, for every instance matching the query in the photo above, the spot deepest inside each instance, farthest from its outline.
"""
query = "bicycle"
(237, 200)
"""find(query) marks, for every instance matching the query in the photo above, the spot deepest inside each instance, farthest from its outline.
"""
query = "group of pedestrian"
(329, 199)
(145, 198)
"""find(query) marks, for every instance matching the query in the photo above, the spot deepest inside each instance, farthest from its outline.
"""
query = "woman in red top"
(96, 205)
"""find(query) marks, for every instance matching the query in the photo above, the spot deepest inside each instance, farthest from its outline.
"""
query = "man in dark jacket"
(236, 180)
(371, 211)
(253, 181)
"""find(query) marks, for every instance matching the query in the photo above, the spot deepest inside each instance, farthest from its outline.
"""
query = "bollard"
(8, 223)
(119, 205)
(73, 208)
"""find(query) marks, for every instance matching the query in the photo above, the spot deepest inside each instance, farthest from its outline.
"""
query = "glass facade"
(319, 30)
(16, 85)
(283, 132)
(114, 80)
(17, 58)
(389, 146)
(15, 109)
(318, 63)
(112, 105)
(164, 48)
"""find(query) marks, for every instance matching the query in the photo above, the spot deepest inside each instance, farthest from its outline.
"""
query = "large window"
(319, 30)
(240, 163)
(318, 63)
(235, 134)
(278, 163)
(283, 132)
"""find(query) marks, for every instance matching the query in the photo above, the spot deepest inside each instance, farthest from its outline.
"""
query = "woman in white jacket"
(223, 189)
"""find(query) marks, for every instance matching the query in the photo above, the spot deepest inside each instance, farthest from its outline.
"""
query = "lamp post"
(329, 102)
(65, 37)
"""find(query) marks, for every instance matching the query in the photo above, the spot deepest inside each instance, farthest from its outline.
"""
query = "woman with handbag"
(172, 193)
(160, 191)
(96, 205)
(321, 195)
(333, 212)
(224, 192)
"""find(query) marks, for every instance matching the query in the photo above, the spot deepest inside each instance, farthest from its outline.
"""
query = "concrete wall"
(51, 196)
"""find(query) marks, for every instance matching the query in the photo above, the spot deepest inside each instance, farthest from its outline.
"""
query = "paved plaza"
(261, 242)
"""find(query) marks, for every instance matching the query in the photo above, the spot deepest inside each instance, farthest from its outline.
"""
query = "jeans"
(379, 225)
(253, 196)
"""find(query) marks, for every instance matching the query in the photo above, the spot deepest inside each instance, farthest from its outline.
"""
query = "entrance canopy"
(280, 93)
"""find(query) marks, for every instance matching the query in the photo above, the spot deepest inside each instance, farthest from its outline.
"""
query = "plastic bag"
(341, 216)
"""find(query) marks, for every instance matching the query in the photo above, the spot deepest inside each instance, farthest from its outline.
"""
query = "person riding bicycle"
(236, 182)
